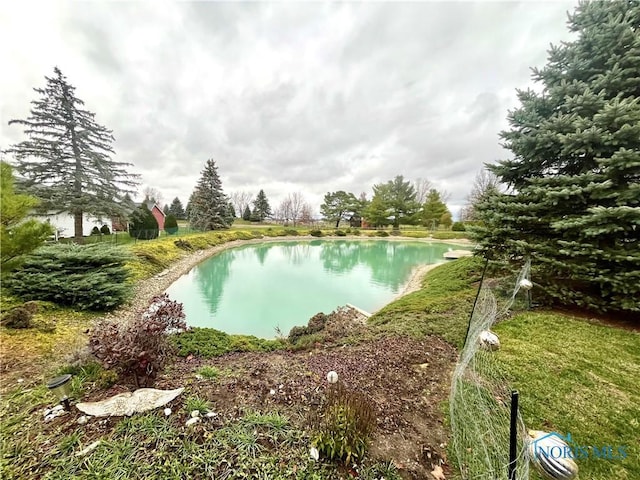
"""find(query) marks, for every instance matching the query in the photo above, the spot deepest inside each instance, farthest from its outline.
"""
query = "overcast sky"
(288, 97)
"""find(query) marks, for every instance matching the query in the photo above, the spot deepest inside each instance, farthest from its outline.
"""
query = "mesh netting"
(480, 398)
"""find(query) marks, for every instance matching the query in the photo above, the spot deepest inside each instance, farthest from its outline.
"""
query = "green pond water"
(255, 288)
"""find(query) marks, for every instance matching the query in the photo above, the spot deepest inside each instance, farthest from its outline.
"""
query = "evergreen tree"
(177, 209)
(434, 209)
(399, 197)
(66, 162)
(17, 237)
(338, 206)
(143, 225)
(576, 167)
(246, 215)
(261, 206)
(231, 212)
(209, 207)
(377, 212)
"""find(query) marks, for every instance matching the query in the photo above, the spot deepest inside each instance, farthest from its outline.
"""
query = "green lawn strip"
(577, 377)
(441, 307)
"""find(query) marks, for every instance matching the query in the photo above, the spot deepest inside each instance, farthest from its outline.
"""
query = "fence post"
(513, 435)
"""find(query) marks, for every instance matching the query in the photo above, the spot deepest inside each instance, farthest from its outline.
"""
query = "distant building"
(64, 223)
(157, 213)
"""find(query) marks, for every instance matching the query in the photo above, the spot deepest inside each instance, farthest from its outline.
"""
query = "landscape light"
(61, 386)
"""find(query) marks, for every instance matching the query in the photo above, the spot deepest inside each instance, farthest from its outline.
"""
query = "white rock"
(192, 421)
(211, 414)
(314, 454)
(57, 408)
(20, 380)
(167, 412)
(526, 284)
(272, 391)
(489, 340)
(83, 419)
(195, 413)
(332, 377)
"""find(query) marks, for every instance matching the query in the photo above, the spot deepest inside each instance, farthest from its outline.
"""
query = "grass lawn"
(574, 376)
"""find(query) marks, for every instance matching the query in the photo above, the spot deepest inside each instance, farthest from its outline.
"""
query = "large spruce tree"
(209, 206)
(177, 209)
(261, 207)
(66, 161)
(399, 196)
(575, 206)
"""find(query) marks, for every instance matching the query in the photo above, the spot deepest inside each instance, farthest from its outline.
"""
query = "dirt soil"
(407, 381)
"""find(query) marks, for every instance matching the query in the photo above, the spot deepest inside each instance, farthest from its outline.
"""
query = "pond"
(255, 288)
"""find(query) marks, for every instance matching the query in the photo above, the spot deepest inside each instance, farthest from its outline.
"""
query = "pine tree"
(246, 215)
(377, 212)
(576, 167)
(338, 206)
(399, 197)
(17, 236)
(434, 209)
(261, 206)
(209, 207)
(66, 162)
(177, 209)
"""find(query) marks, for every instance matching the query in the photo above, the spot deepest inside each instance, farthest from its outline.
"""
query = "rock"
(489, 340)
(128, 403)
(82, 420)
(211, 414)
(195, 414)
(167, 412)
(192, 421)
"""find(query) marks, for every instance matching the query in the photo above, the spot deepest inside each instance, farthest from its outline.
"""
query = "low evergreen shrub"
(340, 233)
(316, 233)
(290, 231)
(104, 230)
(458, 227)
(209, 342)
(95, 231)
(91, 277)
(171, 224)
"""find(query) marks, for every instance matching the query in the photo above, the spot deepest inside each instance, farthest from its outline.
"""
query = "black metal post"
(473, 309)
(513, 435)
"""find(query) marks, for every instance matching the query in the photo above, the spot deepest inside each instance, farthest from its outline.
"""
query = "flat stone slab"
(453, 254)
(128, 403)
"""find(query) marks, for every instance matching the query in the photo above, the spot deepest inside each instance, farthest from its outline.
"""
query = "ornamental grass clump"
(139, 348)
(344, 426)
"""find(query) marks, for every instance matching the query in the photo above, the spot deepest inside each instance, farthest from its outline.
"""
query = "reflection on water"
(253, 289)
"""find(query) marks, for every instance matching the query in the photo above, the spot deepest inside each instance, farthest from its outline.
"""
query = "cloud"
(308, 97)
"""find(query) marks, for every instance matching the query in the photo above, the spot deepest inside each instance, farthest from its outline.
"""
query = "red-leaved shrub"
(141, 347)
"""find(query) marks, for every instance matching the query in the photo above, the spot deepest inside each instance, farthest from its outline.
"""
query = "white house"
(64, 223)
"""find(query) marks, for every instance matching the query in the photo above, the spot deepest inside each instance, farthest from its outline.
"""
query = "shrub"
(345, 426)
(89, 277)
(209, 342)
(381, 233)
(143, 225)
(355, 232)
(20, 316)
(171, 224)
(141, 347)
(183, 245)
(105, 230)
(316, 233)
(95, 231)
(340, 233)
(458, 227)
(290, 231)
